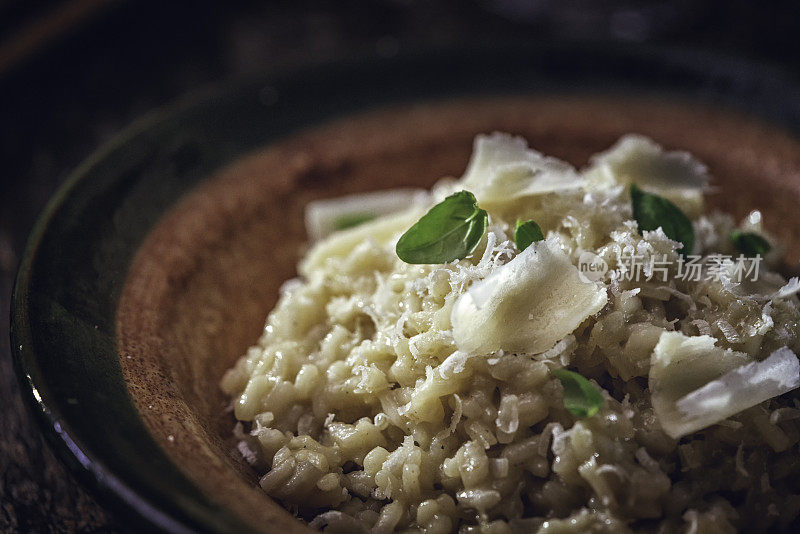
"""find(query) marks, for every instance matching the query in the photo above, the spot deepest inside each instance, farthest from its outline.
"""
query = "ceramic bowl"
(153, 269)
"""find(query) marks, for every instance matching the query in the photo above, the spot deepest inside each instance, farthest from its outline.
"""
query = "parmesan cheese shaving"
(695, 384)
(322, 216)
(791, 288)
(503, 168)
(738, 390)
(341, 243)
(636, 159)
(681, 364)
(526, 305)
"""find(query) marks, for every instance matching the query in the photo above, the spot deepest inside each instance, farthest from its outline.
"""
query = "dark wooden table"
(67, 98)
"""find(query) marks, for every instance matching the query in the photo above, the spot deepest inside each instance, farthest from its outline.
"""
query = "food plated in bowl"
(153, 270)
(416, 375)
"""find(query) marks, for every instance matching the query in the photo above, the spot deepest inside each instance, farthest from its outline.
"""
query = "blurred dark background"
(75, 72)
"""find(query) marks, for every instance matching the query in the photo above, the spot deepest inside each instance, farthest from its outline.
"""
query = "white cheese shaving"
(695, 384)
(681, 364)
(637, 159)
(728, 331)
(560, 438)
(342, 243)
(503, 168)
(789, 289)
(739, 389)
(526, 305)
(321, 216)
(453, 364)
(562, 350)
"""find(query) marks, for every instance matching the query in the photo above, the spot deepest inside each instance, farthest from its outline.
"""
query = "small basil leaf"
(750, 243)
(652, 211)
(581, 397)
(350, 220)
(526, 233)
(449, 231)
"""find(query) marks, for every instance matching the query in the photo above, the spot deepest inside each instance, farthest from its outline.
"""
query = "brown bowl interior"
(200, 288)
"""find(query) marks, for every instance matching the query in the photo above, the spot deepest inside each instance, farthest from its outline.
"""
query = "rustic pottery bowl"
(153, 269)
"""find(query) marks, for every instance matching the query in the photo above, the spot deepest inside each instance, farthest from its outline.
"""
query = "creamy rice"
(377, 400)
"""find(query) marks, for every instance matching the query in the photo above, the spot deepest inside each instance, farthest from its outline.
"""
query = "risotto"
(531, 348)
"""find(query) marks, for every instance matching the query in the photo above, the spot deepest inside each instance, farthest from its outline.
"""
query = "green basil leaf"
(750, 243)
(652, 211)
(526, 233)
(449, 231)
(351, 219)
(581, 397)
